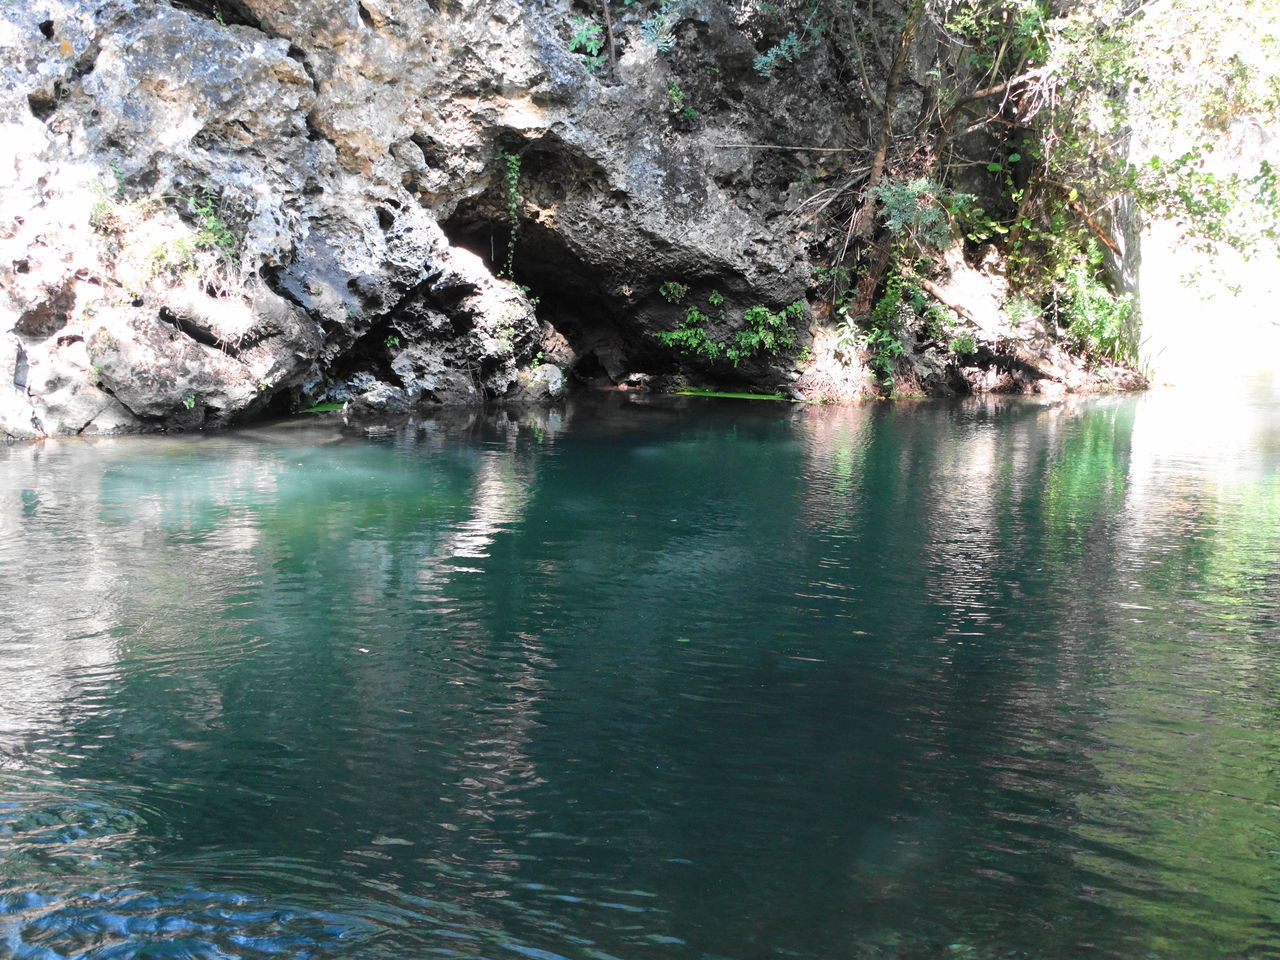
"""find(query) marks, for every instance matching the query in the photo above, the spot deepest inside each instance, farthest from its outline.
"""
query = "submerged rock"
(539, 384)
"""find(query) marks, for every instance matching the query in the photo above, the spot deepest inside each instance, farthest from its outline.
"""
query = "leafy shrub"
(792, 47)
(679, 102)
(588, 39)
(881, 338)
(921, 209)
(1020, 309)
(963, 344)
(673, 291)
(691, 336)
(764, 332)
(1097, 319)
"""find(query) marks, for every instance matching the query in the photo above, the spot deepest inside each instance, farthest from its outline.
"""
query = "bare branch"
(1097, 230)
(779, 146)
(935, 291)
(1003, 87)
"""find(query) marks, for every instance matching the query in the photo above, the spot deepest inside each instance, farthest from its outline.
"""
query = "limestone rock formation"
(214, 211)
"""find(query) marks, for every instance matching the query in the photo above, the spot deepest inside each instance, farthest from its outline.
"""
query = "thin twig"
(1001, 87)
(608, 31)
(777, 146)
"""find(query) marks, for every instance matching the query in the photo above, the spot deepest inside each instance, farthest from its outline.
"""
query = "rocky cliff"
(213, 211)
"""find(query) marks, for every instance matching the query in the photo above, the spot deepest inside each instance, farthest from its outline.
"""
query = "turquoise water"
(677, 678)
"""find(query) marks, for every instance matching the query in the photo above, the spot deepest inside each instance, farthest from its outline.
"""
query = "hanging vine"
(510, 165)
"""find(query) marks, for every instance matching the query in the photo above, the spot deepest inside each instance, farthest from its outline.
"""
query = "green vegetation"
(691, 337)
(963, 344)
(881, 336)
(509, 163)
(1016, 136)
(1097, 321)
(104, 217)
(1030, 105)
(672, 291)
(691, 392)
(920, 212)
(680, 106)
(795, 45)
(659, 29)
(213, 232)
(189, 401)
(212, 249)
(588, 40)
(763, 334)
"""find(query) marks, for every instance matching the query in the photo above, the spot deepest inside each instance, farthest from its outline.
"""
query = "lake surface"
(679, 679)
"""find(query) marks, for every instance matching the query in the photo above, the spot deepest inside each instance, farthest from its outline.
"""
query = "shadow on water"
(648, 677)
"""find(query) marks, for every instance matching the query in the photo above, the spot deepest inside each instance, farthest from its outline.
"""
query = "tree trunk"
(863, 223)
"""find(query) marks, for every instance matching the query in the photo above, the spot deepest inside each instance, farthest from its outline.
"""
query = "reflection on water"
(665, 678)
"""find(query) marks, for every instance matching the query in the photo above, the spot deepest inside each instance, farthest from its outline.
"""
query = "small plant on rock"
(673, 291)
(963, 344)
(796, 45)
(214, 234)
(691, 337)
(765, 333)
(588, 39)
(659, 29)
(680, 106)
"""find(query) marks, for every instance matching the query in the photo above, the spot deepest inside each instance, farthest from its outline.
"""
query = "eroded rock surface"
(220, 211)
(214, 211)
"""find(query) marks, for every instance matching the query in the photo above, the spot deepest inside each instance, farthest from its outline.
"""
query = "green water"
(682, 679)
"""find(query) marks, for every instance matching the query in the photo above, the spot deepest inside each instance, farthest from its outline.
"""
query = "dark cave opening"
(225, 12)
(585, 304)
(371, 354)
(281, 405)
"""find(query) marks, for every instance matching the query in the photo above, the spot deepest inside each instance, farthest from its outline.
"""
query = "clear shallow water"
(667, 679)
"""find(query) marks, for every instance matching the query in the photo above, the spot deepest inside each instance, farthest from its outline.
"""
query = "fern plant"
(792, 47)
(673, 291)
(691, 336)
(659, 29)
(764, 333)
(921, 210)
